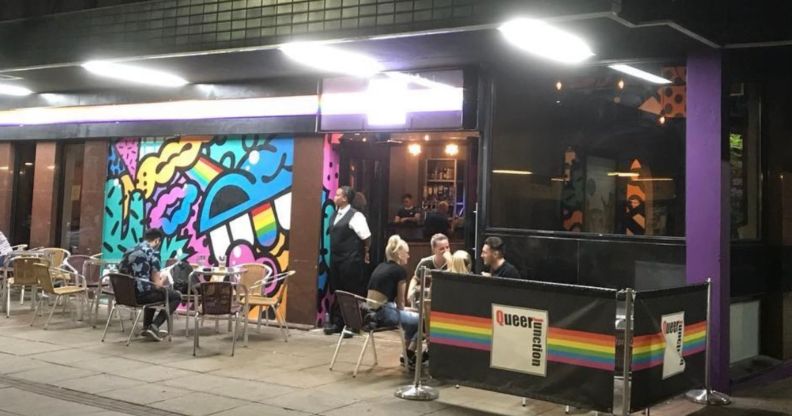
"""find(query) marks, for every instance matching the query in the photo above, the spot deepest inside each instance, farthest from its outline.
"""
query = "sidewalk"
(66, 371)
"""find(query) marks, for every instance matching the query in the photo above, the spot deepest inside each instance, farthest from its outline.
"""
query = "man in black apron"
(350, 239)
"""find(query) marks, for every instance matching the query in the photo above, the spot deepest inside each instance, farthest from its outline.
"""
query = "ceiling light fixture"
(14, 90)
(512, 172)
(624, 174)
(452, 149)
(414, 149)
(633, 71)
(135, 74)
(540, 38)
(326, 58)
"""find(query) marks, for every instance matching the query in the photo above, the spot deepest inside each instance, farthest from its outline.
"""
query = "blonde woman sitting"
(459, 262)
(387, 289)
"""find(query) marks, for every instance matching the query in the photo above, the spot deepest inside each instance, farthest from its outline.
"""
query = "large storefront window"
(592, 151)
(744, 161)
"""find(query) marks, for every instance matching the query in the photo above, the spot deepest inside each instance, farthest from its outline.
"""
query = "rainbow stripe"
(648, 350)
(204, 171)
(265, 224)
(582, 349)
(461, 331)
(565, 346)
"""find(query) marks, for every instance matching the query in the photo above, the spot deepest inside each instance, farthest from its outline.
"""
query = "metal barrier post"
(417, 391)
(707, 395)
(629, 298)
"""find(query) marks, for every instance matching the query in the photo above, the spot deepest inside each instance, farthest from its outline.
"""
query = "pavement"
(65, 370)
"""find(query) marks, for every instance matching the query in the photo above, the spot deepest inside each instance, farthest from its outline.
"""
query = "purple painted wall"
(707, 207)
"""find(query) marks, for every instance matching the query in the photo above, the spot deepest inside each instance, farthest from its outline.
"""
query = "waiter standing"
(350, 240)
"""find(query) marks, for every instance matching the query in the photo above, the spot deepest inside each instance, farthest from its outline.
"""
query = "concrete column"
(6, 186)
(707, 200)
(44, 221)
(92, 196)
(305, 229)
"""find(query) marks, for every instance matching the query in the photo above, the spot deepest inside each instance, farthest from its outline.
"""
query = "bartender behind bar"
(407, 213)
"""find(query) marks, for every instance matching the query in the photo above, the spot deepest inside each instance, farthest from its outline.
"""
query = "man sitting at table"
(436, 261)
(495, 265)
(143, 262)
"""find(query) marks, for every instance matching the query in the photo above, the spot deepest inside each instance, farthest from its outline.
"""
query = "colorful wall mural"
(212, 196)
(329, 186)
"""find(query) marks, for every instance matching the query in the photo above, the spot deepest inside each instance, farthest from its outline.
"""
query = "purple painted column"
(707, 206)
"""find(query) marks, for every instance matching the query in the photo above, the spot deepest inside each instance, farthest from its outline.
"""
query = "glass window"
(591, 151)
(744, 160)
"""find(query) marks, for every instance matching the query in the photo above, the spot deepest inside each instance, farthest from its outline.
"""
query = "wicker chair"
(255, 278)
(74, 287)
(124, 287)
(352, 307)
(56, 256)
(218, 300)
(23, 276)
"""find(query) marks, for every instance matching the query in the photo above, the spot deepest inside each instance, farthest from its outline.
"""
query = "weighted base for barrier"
(708, 397)
(419, 393)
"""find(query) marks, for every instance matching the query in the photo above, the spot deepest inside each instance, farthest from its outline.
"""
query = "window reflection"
(603, 154)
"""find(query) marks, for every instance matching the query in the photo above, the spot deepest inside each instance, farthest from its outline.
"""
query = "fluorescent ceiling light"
(18, 91)
(548, 41)
(327, 58)
(387, 103)
(624, 174)
(512, 172)
(417, 101)
(417, 80)
(629, 70)
(136, 74)
(171, 110)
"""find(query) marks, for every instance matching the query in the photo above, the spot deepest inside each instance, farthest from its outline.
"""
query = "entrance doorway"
(22, 204)
(71, 175)
(434, 174)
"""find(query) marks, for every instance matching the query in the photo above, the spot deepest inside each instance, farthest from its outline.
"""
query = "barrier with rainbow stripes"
(576, 348)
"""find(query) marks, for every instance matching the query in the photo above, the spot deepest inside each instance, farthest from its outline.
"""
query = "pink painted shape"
(196, 242)
(165, 200)
(330, 170)
(127, 148)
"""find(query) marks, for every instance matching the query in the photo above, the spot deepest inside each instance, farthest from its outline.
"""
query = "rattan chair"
(56, 256)
(124, 287)
(23, 276)
(74, 287)
(352, 307)
(218, 300)
(255, 278)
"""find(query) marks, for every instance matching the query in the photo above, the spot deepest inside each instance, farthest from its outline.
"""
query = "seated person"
(407, 213)
(459, 262)
(436, 261)
(143, 262)
(494, 264)
(387, 289)
(437, 222)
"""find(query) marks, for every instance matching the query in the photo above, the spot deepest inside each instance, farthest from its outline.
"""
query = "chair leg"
(170, 325)
(52, 310)
(233, 342)
(22, 296)
(360, 357)
(196, 335)
(374, 348)
(280, 321)
(258, 319)
(36, 312)
(338, 347)
(111, 309)
(134, 325)
(245, 329)
(8, 300)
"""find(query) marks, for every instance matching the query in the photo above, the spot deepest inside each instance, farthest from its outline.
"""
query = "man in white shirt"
(350, 241)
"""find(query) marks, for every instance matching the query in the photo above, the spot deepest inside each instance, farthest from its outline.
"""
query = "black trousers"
(347, 274)
(151, 296)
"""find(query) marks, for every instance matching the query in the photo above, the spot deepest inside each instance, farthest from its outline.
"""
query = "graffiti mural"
(212, 196)
(329, 186)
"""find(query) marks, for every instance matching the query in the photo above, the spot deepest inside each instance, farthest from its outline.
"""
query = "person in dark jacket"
(492, 254)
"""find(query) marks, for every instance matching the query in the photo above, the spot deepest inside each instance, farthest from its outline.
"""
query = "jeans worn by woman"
(390, 315)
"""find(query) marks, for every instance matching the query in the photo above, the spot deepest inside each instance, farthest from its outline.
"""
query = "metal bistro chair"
(56, 256)
(24, 276)
(352, 307)
(219, 299)
(124, 287)
(255, 285)
(45, 276)
(92, 270)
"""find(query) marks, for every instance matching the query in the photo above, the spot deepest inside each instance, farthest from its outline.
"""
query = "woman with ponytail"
(386, 293)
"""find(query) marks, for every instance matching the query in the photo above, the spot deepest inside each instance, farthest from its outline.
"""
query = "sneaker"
(348, 334)
(152, 332)
(162, 332)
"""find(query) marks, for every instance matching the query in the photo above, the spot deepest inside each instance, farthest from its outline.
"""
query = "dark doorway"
(22, 204)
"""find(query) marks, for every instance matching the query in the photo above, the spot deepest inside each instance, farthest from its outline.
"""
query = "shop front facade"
(590, 176)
